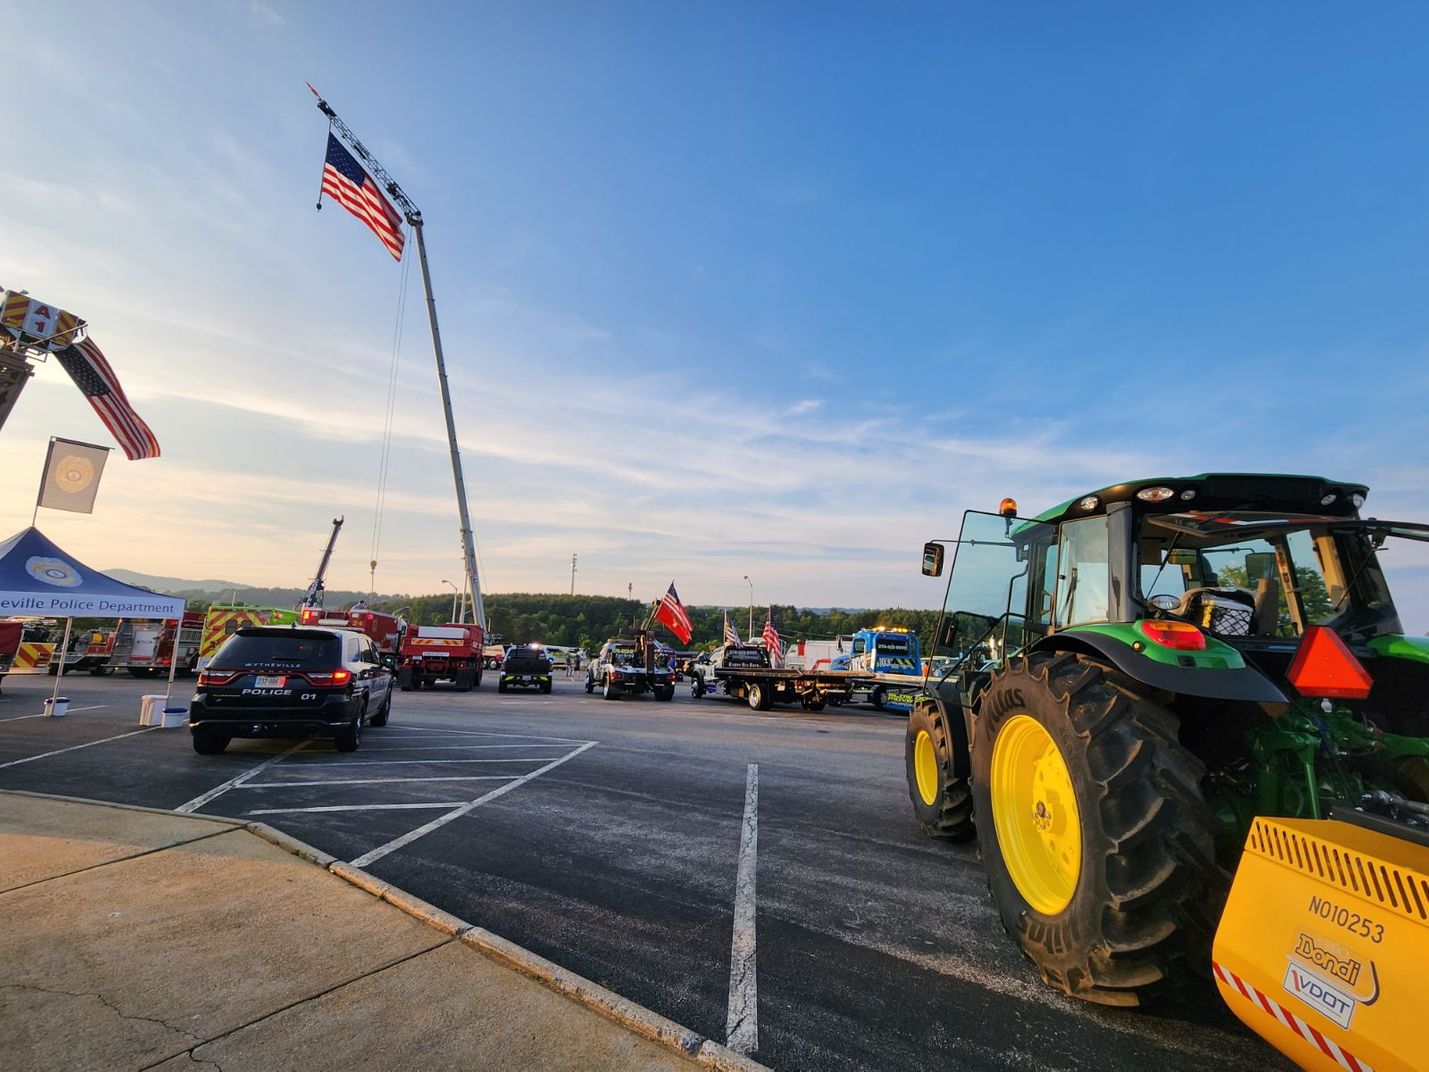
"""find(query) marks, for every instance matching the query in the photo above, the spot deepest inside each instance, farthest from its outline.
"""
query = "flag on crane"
(350, 186)
(772, 641)
(671, 612)
(92, 375)
(731, 634)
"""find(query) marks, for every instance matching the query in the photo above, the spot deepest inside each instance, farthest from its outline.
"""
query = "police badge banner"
(72, 472)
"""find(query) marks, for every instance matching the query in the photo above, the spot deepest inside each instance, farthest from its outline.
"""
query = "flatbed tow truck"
(744, 672)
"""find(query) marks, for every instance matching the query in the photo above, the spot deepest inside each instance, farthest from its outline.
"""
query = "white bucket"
(56, 707)
(174, 717)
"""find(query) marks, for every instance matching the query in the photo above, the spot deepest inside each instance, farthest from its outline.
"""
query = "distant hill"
(171, 584)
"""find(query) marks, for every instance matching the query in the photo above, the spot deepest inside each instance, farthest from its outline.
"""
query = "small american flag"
(355, 190)
(673, 614)
(731, 635)
(772, 641)
(92, 375)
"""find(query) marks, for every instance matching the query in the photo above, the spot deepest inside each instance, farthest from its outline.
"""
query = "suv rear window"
(287, 649)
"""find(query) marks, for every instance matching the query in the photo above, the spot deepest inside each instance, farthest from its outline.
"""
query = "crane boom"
(414, 217)
(314, 595)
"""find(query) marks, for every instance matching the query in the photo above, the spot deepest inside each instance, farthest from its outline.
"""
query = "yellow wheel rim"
(1034, 811)
(925, 767)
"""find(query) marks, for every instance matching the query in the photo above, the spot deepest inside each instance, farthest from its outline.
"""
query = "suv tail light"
(332, 677)
(217, 677)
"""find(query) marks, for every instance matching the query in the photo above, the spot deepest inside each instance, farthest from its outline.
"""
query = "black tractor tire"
(380, 719)
(609, 691)
(1148, 892)
(875, 697)
(666, 693)
(949, 815)
(349, 737)
(759, 696)
(210, 742)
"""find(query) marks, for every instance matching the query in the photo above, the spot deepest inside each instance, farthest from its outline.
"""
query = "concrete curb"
(607, 1003)
(236, 823)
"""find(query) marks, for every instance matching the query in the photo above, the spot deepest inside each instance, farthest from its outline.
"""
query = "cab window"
(1083, 573)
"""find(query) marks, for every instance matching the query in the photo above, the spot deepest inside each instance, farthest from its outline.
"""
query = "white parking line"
(376, 781)
(75, 747)
(355, 807)
(92, 706)
(409, 762)
(742, 1021)
(451, 747)
(457, 813)
(218, 790)
(482, 733)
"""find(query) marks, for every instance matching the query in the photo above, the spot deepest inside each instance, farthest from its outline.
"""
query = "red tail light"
(1180, 636)
(335, 677)
(217, 677)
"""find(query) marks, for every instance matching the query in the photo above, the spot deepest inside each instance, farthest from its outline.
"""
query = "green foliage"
(1314, 599)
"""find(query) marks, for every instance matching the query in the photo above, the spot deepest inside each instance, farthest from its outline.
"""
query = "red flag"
(671, 613)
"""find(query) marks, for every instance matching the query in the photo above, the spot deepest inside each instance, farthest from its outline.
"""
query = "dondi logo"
(1339, 965)
(1319, 995)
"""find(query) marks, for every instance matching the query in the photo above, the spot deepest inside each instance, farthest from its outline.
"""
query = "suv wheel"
(210, 742)
(350, 736)
(380, 719)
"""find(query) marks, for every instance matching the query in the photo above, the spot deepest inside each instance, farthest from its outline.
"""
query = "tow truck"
(889, 656)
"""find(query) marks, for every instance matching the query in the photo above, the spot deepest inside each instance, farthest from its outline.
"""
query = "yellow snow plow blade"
(1323, 949)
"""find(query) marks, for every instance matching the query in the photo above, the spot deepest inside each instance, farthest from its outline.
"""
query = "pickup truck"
(622, 669)
(526, 666)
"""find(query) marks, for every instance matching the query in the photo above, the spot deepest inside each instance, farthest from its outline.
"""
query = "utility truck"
(1156, 676)
(432, 654)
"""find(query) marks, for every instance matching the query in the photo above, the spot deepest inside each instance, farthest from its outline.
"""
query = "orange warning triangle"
(1323, 666)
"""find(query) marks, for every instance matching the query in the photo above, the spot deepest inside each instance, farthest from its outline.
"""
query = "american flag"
(672, 613)
(355, 190)
(731, 634)
(772, 641)
(92, 375)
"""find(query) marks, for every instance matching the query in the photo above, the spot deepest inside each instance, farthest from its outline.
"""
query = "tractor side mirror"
(932, 560)
(1259, 565)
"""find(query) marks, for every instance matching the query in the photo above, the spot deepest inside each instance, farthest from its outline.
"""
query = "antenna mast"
(414, 217)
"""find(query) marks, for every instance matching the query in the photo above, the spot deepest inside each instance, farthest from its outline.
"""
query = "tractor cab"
(1123, 685)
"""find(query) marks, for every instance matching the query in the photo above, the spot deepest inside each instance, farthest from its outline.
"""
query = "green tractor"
(1122, 684)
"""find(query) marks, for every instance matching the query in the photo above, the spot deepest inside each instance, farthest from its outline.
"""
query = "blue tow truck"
(889, 658)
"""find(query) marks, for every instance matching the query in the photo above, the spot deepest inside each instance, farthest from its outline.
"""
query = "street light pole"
(751, 606)
(573, 574)
(453, 588)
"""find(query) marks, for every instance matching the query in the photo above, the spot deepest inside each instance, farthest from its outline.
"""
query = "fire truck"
(10, 633)
(433, 653)
(225, 619)
(385, 630)
(144, 646)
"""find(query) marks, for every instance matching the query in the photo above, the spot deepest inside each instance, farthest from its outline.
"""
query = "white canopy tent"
(39, 579)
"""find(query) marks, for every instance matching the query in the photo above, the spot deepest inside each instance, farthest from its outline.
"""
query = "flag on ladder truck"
(671, 612)
(350, 186)
(91, 373)
(772, 641)
(731, 635)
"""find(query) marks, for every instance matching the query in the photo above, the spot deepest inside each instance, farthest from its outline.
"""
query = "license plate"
(270, 682)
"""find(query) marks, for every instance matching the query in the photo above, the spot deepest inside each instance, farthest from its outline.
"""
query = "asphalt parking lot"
(653, 847)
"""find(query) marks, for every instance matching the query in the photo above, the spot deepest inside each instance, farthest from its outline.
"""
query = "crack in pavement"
(198, 1039)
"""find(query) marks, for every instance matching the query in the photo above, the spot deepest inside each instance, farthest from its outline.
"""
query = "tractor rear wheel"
(934, 748)
(1098, 846)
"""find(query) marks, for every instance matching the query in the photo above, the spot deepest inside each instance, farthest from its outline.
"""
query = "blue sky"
(726, 289)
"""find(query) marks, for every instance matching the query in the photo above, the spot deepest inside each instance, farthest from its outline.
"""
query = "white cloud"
(263, 14)
(803, 406)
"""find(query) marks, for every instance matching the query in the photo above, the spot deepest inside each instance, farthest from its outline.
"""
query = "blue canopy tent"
(39, 579)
